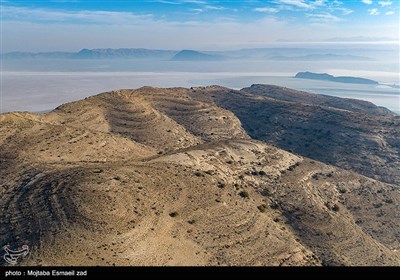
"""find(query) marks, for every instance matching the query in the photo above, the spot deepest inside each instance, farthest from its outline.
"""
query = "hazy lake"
(38, 91)
(39, 85)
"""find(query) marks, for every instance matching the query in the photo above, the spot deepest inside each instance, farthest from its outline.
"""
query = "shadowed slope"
(365, 143)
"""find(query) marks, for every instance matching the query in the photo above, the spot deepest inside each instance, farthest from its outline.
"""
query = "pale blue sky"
(197, 24)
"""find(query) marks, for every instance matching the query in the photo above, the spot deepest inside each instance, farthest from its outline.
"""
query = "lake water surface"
(40, 91)
(38, 85)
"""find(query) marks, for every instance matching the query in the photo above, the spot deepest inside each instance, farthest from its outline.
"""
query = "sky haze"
(195, 24)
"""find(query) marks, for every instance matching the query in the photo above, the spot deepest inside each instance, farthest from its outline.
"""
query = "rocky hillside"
(176, 177)
(358, 137)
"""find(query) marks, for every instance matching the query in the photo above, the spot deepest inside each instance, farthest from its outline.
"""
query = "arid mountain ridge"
(203, 176)
(272, 53)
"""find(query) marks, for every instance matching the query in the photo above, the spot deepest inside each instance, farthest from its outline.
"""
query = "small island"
(340, 79)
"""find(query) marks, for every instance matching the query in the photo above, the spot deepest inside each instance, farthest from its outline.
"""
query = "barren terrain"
(202, 176)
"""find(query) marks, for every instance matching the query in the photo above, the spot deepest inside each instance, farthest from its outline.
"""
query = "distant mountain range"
(322, 57)
(96, 54)
(327, 77)
(189, 55)
(124, 53)
(287, 54)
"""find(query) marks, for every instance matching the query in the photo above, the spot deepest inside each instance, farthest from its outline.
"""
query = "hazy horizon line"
(293, 44)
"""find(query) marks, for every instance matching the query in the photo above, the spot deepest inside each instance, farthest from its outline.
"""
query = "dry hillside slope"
(367, 143)
(172, 177)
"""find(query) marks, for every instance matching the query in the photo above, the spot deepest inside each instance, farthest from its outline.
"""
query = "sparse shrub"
(262, 208)
(221, 185)
(378, 205)
(389, 200)
(210, 172)
(191, 222)
(274, 205)
(229, 161)
(197, 173)
(335, 208)
(342, 190)
(173, 214)
(266, 192)
(244, 194)
(262, 173)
